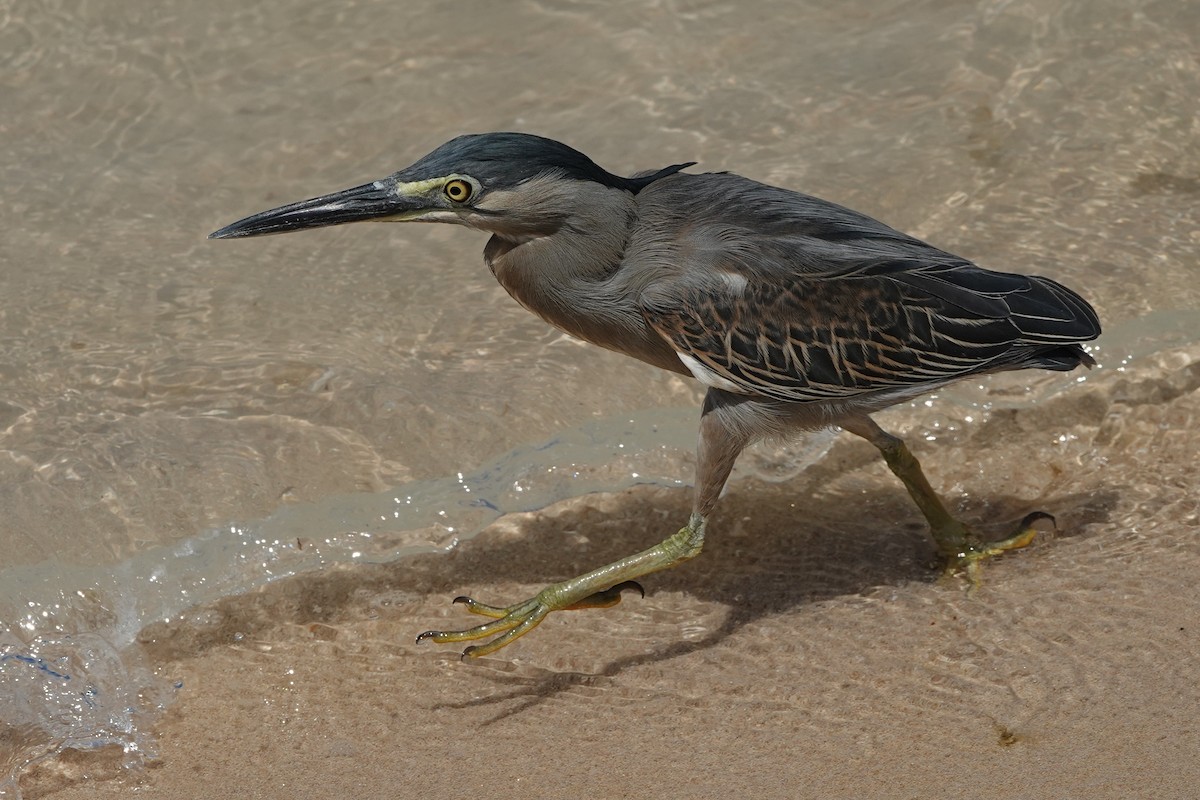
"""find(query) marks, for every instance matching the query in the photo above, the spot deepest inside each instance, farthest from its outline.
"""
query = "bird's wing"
(876, 326)
(765, 291)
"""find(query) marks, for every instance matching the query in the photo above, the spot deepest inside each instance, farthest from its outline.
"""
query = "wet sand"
(161, 394)
(810, 651)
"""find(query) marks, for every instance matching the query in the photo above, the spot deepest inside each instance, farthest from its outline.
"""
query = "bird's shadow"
(770, 550)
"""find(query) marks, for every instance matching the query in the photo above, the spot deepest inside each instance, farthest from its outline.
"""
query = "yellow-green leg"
(959, 546)
(600, 588)
(720, 444)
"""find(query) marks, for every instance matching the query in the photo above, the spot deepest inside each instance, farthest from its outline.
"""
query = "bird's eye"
(458, 191)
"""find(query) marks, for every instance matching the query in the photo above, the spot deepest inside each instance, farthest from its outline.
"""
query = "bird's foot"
(509, 623)
(600, 588)
(963, 551)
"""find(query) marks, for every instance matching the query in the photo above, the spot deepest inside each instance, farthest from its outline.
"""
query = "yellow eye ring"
(458, 191)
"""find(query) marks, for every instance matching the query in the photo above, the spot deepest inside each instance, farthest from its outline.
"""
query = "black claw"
(1038, 516)
(462, 598)
(426, 635)
(467, 653)
(620, 587)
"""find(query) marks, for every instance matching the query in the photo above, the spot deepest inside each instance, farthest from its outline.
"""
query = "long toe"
(974, 553)
(484, 610)
(607, 598)
(600, 588)
(512, 617)
(509, 623)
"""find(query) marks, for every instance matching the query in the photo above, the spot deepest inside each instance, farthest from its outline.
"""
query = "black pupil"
(457, 191)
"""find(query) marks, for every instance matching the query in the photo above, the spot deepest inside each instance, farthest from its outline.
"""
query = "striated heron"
(794, 312)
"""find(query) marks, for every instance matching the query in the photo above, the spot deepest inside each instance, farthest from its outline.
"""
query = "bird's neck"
(570, 277)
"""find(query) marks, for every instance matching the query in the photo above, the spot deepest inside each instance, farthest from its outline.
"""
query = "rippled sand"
(808, 653)
(185, 424)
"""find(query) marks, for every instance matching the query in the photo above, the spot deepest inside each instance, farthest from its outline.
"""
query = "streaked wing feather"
(789, 296)
(834, 337)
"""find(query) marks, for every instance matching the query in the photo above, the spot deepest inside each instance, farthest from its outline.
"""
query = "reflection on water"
(74, 690)
(65, 682)
(182, 420)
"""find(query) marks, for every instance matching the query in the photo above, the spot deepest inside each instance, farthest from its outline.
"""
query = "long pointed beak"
(370, 201)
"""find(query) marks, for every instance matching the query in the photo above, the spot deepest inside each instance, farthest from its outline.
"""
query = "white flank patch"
(706, 375)
(735, 282)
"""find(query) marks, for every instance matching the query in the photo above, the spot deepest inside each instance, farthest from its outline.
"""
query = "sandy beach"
(234, 475)
(827, 662)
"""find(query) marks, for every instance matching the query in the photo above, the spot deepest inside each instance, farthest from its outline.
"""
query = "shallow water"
(183, 420)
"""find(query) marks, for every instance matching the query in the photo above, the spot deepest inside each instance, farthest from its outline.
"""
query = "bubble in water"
(73, 691)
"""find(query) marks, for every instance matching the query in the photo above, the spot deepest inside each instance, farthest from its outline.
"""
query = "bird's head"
(515, 185)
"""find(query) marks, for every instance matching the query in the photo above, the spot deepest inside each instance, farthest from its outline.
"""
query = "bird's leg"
(719, 448)
(959, 546)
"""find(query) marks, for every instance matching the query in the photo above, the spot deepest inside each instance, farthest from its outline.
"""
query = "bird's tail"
(1060, 359)
(1046, 312)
